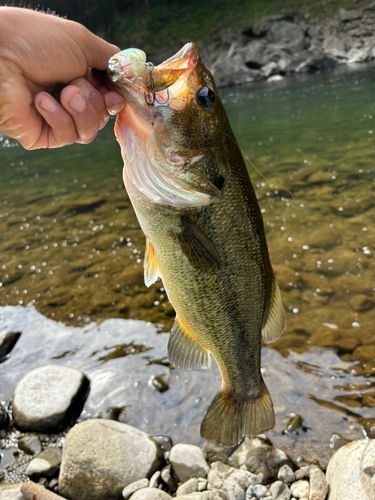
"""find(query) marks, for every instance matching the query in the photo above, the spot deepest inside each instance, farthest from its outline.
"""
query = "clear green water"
(70, 245)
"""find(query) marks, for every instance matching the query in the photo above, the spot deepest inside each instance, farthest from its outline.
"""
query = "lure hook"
(150, 96)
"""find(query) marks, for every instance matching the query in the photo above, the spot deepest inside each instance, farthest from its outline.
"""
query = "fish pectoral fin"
(198, 248)
(275, 322)
(195, 181)
(151, 269)
(184, 351)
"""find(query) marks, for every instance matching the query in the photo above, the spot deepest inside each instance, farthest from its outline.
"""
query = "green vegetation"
(154, 24)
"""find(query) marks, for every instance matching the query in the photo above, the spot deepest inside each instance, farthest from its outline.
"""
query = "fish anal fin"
(227, 421)
(275, 321)
(198, 248)
(151, 271)
(183, 350)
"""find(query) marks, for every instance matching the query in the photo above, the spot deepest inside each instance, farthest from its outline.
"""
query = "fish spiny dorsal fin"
(227, 421)
(198, 248)
(183, 350)
(275, 321)
(151, 271)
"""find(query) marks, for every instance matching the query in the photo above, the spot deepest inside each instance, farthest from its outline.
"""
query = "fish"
(188, 183)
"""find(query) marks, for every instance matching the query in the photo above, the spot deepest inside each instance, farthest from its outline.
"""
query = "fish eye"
(206, 98)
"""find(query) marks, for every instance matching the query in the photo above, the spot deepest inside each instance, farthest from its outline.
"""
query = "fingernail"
(116, 108)
(78, 103)
(47, 103)
(85, 91)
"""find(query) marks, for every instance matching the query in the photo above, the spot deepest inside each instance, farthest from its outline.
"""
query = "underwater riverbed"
(71, 248)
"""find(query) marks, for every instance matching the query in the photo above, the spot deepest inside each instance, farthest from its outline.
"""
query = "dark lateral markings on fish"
(189, 186)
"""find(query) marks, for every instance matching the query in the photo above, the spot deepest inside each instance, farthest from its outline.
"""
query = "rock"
(133, 487)
(350, 15)
(318, 485)
(233, 482)
(101, 457)
(300, 489)
(287, 35)
(204, 495)
(169, 480)
(154, 480)
(294, 423)
(202, 484)
(323, 238)
(257, 491)
(190, 486)
(361, 54)
(361, 303)
(46, 464)
(317, 59)
(4, 418)
(259, 456)
(286, 474)
(334, 46)
(164, 443)
(364, 353)
(321, 178)
(350, 471)
(11, 492)
(336, 441)
(32, 491)
(48, 399)
(217, 453)
(7, 341)
(148, 494)
(232, 71)
(188, 461)
(280, 491)
(30, 444)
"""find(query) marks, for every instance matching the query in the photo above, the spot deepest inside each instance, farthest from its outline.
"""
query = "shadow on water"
(71, 247)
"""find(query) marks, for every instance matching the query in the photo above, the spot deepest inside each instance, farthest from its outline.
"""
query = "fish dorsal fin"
(184, 352)
(275, 322)
(198, 248)
(151, 270)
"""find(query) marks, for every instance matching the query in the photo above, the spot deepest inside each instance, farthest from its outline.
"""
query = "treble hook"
(150, 97)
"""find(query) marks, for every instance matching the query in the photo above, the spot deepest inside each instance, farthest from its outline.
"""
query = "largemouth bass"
(194, 200)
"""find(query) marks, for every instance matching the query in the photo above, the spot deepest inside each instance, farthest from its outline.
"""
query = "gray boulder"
(259, 457)
(46, 464)
(11, 492)
(316, 59)
(351, 471)
(287, 35)
(188, 461)
(101, 457)
(334, 46)
(48, 399)
(350, 15)
(232, 71)
(7, 341)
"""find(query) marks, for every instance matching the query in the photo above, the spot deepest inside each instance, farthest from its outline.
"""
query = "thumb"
(96, 50)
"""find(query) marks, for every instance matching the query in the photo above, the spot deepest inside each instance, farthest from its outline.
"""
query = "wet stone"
(30, 444)
(216, 453)
(47, 399)
(364, 353)
(361, 303)
(7, 342)
(133, 487)
(188, 461)
(45, 465)
(4, 418)
(286, 474)
(300, 489)
(294, 423)
(323, 238)
(320, 178)
(318, 485)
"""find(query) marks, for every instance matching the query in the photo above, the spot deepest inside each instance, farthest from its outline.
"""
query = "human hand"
(48, 97)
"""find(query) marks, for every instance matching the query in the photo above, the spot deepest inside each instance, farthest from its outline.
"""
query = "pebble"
(4, 418)
(30, 444)
(350, 471)
(300, 489)
(149, 494)
(280, 491)
(48, 398)
(318, 485)
(202, 484)
(216, 453)
(188, 461)
(7, 342)
(204, 495)
(286, 474)
(101, 457)
(190, 486)
(257, 491)
(169, 480)
(46, 464)
(133, 487)
(11, 492)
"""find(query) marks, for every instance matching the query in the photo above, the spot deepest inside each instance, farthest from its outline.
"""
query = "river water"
(71, 257)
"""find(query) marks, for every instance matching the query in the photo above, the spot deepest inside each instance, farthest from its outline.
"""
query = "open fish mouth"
(165, 84)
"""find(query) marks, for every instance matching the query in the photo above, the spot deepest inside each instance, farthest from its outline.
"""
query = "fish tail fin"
(227, 421)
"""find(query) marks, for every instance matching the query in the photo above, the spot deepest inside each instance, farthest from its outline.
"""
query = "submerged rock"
(7, 342)
(101, 457)
(47, 399)
(30, 444)
(351, 471)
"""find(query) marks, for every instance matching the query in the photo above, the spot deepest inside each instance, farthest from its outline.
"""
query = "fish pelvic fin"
(275, 321)
(184, 352)
(227, 421)
(151, 270)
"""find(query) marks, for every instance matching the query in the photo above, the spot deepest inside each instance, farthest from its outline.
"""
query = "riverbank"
(283, 44)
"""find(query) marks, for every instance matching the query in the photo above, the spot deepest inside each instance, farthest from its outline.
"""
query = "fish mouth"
(143, 83)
